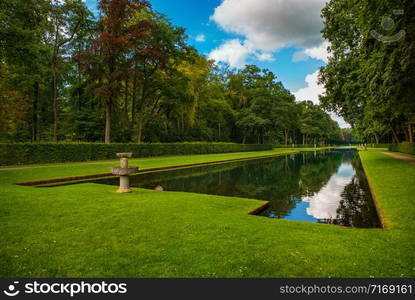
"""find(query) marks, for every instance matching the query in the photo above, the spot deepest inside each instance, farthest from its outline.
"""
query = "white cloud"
(201, 38)
(271, 24)
(232, 52)
(263, 56)
(324, 204)
(342, 123)
(268, 25)
(319, 52)
(299, 56)
(236, 53)
(312, 92)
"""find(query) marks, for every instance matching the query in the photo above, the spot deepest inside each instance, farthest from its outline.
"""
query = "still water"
(323, 186)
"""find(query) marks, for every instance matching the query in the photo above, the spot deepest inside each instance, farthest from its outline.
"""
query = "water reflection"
(324, 186)
(324, 203)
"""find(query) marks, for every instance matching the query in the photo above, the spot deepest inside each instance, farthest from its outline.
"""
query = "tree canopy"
(370, 77)
(131, 76)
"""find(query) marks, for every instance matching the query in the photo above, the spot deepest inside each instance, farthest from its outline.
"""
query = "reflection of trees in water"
(281, 180)
(357, 208)
(307, 174)
(317, 171)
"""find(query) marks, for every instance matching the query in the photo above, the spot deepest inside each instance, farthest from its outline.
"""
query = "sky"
(280, 35)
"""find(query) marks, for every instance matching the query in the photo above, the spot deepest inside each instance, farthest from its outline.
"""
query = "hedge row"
(299, 146)
(33, 153)
(404, 147)
(379, 145)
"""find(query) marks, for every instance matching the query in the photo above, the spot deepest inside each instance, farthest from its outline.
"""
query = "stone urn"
(124, 172)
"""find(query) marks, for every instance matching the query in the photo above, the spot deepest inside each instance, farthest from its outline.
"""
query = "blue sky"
(194, 16)
(283, 36)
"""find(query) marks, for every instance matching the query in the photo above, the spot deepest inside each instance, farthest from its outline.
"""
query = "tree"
(65, 20)
(368, 81)
(106, 60)
(153, 62)
(22, 56)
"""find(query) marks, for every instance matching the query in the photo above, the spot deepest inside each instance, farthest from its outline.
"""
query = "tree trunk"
(286, 132)
(140, 124)
(303, 139)
(411, 136)
(395, 136)
(54, 106)
(108, 116)
(140, 130)
(35, 135)
(133, 105)
(126, 116)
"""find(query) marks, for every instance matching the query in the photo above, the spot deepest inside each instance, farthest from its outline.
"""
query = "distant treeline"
(130, 76)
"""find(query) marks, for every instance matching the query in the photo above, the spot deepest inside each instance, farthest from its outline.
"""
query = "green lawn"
(88, 230)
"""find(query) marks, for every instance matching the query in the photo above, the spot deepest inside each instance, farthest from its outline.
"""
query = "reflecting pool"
(322, 186)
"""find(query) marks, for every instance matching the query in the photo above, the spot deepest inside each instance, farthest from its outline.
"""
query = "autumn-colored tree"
(150, 84)
(107, 61)
(13, 107)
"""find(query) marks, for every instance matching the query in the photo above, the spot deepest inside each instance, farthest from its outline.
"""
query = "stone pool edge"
(379, 211)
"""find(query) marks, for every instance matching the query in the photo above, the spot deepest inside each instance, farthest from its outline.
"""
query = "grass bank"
(88, 230)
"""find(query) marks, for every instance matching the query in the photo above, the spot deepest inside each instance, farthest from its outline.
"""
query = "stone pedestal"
(124, 172)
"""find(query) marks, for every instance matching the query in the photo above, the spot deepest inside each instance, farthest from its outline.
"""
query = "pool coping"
(259, 209)
(103, 175)
(379, 211)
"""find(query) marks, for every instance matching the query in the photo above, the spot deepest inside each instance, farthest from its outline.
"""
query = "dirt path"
(408, 159)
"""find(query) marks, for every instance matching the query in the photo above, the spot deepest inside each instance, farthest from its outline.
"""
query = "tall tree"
(23, 54)
(370, 77)
(106, 60)
(65, 20)
(153, 62)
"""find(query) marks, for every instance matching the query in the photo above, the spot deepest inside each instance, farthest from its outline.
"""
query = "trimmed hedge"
(379, 145)
(300, 146)
(404, 147)
(34, 153)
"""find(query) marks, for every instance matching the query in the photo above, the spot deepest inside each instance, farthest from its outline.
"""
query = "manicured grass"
(88, 230)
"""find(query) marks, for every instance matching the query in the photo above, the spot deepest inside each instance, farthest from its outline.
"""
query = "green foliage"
(131, 76)
(379, 145)
(29, 153)
(368, 81)
(404, 147)
(309, 146)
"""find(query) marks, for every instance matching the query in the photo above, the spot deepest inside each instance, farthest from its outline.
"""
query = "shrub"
(298, 146)
(404, 147)
(379, 145)
(32, 153)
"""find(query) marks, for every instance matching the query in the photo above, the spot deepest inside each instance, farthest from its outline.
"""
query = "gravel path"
(408, 159)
